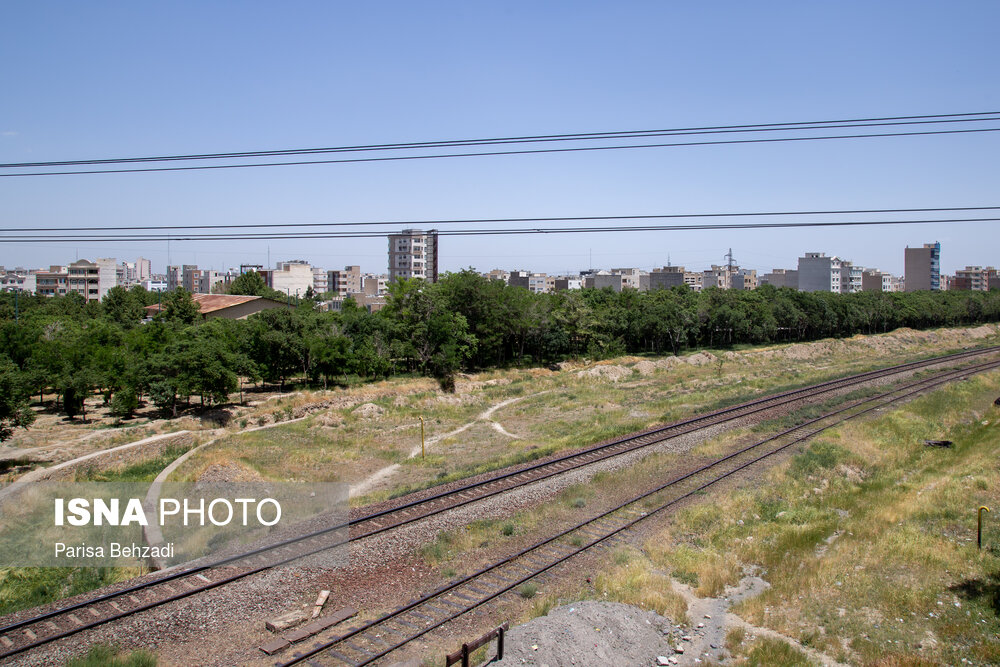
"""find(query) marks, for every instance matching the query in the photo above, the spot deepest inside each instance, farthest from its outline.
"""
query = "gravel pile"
(591, 634)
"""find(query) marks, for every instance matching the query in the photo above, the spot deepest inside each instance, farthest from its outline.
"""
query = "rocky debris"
(369, 411)
(286, 621)
(592, 634)
(230, 472)
(329, 420)
(609, 372)
(700, 359)
(474, 385)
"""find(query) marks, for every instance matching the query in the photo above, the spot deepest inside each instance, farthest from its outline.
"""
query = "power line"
(586, 136)
(494, 232)
(536, 151)
(577, 218)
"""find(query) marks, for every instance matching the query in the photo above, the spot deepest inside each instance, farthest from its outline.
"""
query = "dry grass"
(867, 537)
(630, 577)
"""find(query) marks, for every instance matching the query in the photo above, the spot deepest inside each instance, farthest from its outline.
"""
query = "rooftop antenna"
(729, 256)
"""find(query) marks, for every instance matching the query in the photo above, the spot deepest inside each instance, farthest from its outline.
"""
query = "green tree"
(248, 284)
(179, 307)
(123, 307)
(14, 409)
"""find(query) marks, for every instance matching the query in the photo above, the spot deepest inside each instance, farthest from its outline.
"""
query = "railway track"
(30, 633)
(367, 643)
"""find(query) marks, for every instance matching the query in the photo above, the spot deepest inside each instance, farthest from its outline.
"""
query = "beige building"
(413, 254)
(92, 280)
(976, 278)
(292, 278)
(345, 282)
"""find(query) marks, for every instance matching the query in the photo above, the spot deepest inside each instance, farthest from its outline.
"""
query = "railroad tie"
(275, 645)
(408, 624)
(419, 615)
(340, 656)
(30, 635)
(359, 649)
(7, 643)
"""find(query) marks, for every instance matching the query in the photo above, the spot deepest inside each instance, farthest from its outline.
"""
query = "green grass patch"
(104, 655)
(144, 471)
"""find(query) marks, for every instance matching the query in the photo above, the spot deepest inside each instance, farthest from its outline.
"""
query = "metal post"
(465, 655)
(422, 452)
(979, 531)
(500, 643)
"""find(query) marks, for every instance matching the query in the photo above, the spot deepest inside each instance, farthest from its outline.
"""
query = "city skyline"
(453, 71)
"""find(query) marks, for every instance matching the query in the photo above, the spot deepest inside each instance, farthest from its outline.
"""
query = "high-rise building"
(922, 268)
(413, 254)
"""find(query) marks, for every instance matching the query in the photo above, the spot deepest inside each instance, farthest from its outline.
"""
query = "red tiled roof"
(209, 303)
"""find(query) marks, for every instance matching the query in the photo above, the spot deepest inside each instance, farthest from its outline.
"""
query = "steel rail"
(910, 390)
(764, 403)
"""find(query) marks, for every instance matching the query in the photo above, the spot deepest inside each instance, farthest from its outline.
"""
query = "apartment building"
(92, 280)
(781, 278)
(541, 283)
(666, 277)
(519, 279)
(631, 278)
(413, 254)
(819, 273)
(17, 279)
(567, 282)
(976, 278)
(345, 282)
(743, 279)
(321, 280)
(922, 267)
(872, 281)
(374, 285)
(293, 278)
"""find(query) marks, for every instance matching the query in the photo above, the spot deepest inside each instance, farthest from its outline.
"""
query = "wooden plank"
(274, 646)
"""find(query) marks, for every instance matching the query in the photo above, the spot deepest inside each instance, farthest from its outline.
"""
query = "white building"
(819, 273)
(413, 254)
(18, 279)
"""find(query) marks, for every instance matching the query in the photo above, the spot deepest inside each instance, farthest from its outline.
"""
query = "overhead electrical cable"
(566, 218)
(486, 232)
(586, 136)
(532, 151)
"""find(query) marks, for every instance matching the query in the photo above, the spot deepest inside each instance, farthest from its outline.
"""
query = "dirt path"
(375, 479)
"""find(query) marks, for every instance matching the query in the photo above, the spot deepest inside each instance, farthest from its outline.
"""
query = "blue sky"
(118, 79)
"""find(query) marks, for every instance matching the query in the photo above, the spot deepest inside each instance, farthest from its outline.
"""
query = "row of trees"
(71, 348)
